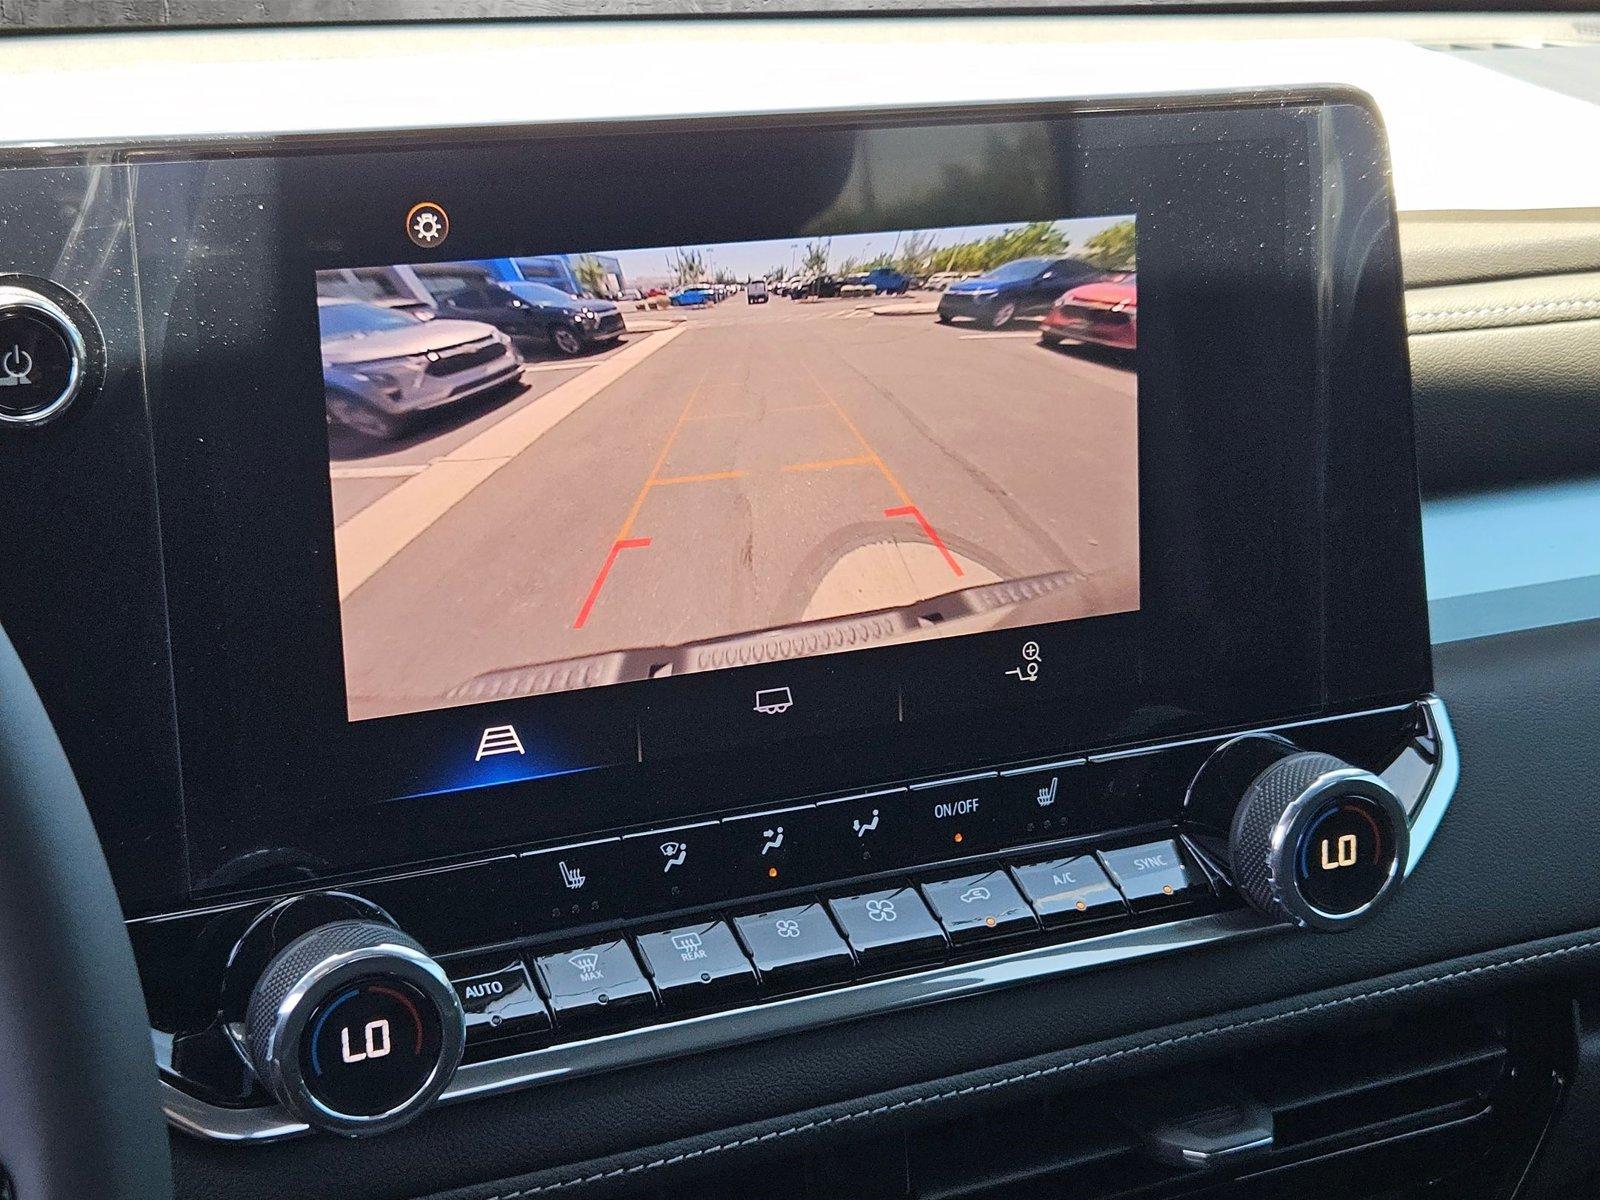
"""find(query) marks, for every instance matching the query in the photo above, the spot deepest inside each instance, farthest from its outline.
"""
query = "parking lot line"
(368, 540)
(861, 460)
(708, 477)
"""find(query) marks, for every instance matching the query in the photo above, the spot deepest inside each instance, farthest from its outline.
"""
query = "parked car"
(1019, 288)
(536, 310)
(939, 280)
(857, 285)
(755, 292)
(1105, 313)
(410, 305)
(382, 367)
(816, 286)
(691, 297)
(888, 281)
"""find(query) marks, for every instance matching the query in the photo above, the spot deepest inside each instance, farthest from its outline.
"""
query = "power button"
(42, 357)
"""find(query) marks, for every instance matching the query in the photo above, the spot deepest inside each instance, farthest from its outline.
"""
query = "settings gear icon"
(427, 224)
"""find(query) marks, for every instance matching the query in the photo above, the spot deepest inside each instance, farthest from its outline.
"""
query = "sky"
(748, 259)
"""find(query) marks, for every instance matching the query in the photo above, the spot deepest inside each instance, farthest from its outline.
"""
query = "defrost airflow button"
(595, 987)
(43, 358)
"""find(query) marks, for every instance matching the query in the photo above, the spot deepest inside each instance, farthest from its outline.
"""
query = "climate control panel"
(354, 1008)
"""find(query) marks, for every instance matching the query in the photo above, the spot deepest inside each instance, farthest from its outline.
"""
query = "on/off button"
(42, 358)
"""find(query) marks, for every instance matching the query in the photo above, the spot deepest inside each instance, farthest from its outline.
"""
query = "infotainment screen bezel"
(1281, 548)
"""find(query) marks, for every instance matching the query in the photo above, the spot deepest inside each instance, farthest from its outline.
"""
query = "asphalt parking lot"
(752, 467)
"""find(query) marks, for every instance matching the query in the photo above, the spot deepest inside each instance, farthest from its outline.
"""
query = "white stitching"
(1451, 314)
(1027, 1076)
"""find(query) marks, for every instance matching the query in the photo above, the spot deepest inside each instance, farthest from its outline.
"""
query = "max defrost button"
(42, 358)
(595, 986)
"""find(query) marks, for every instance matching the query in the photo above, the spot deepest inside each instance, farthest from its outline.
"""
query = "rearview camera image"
(580, 469)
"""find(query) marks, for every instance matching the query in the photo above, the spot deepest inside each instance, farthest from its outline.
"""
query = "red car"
(1105, 313)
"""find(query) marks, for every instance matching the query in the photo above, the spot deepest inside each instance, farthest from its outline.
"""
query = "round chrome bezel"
(13, 298)
(1290, 827)
(281, 1072)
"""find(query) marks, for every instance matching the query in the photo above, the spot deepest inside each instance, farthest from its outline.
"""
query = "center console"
(726, 577)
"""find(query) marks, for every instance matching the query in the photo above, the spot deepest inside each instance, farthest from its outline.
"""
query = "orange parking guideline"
(623, 541)
(907, 508)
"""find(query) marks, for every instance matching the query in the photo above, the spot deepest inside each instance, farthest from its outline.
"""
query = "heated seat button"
(1152, 874)
(501, 1003)
(697, 965)
(972, 907)
(595, 987)
(1041, 804)
(888, 926)
(794, 947)
(1065, 891)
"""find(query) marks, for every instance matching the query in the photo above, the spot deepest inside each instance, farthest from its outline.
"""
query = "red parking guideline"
(911, 510)
(617, 548)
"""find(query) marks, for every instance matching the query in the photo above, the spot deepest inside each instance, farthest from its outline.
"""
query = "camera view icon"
(499, 739)
(771, 701)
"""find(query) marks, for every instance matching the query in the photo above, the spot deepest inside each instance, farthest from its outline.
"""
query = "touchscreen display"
(578, 469)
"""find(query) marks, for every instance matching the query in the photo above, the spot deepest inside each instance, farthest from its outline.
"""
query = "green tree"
(815, 259)
(689, 266)
(590, 275)
(1112, 249)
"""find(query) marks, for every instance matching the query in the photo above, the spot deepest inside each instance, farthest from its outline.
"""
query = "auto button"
(501, 1003)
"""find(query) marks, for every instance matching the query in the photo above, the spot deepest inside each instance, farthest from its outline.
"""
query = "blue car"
(690, 297)
(888, 281)
(1019, 288)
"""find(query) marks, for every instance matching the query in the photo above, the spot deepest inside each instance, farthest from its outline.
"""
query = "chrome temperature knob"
(1316, 841)
(353, 1028)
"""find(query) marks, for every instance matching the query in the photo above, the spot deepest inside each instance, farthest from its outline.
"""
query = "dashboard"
(647, 636)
